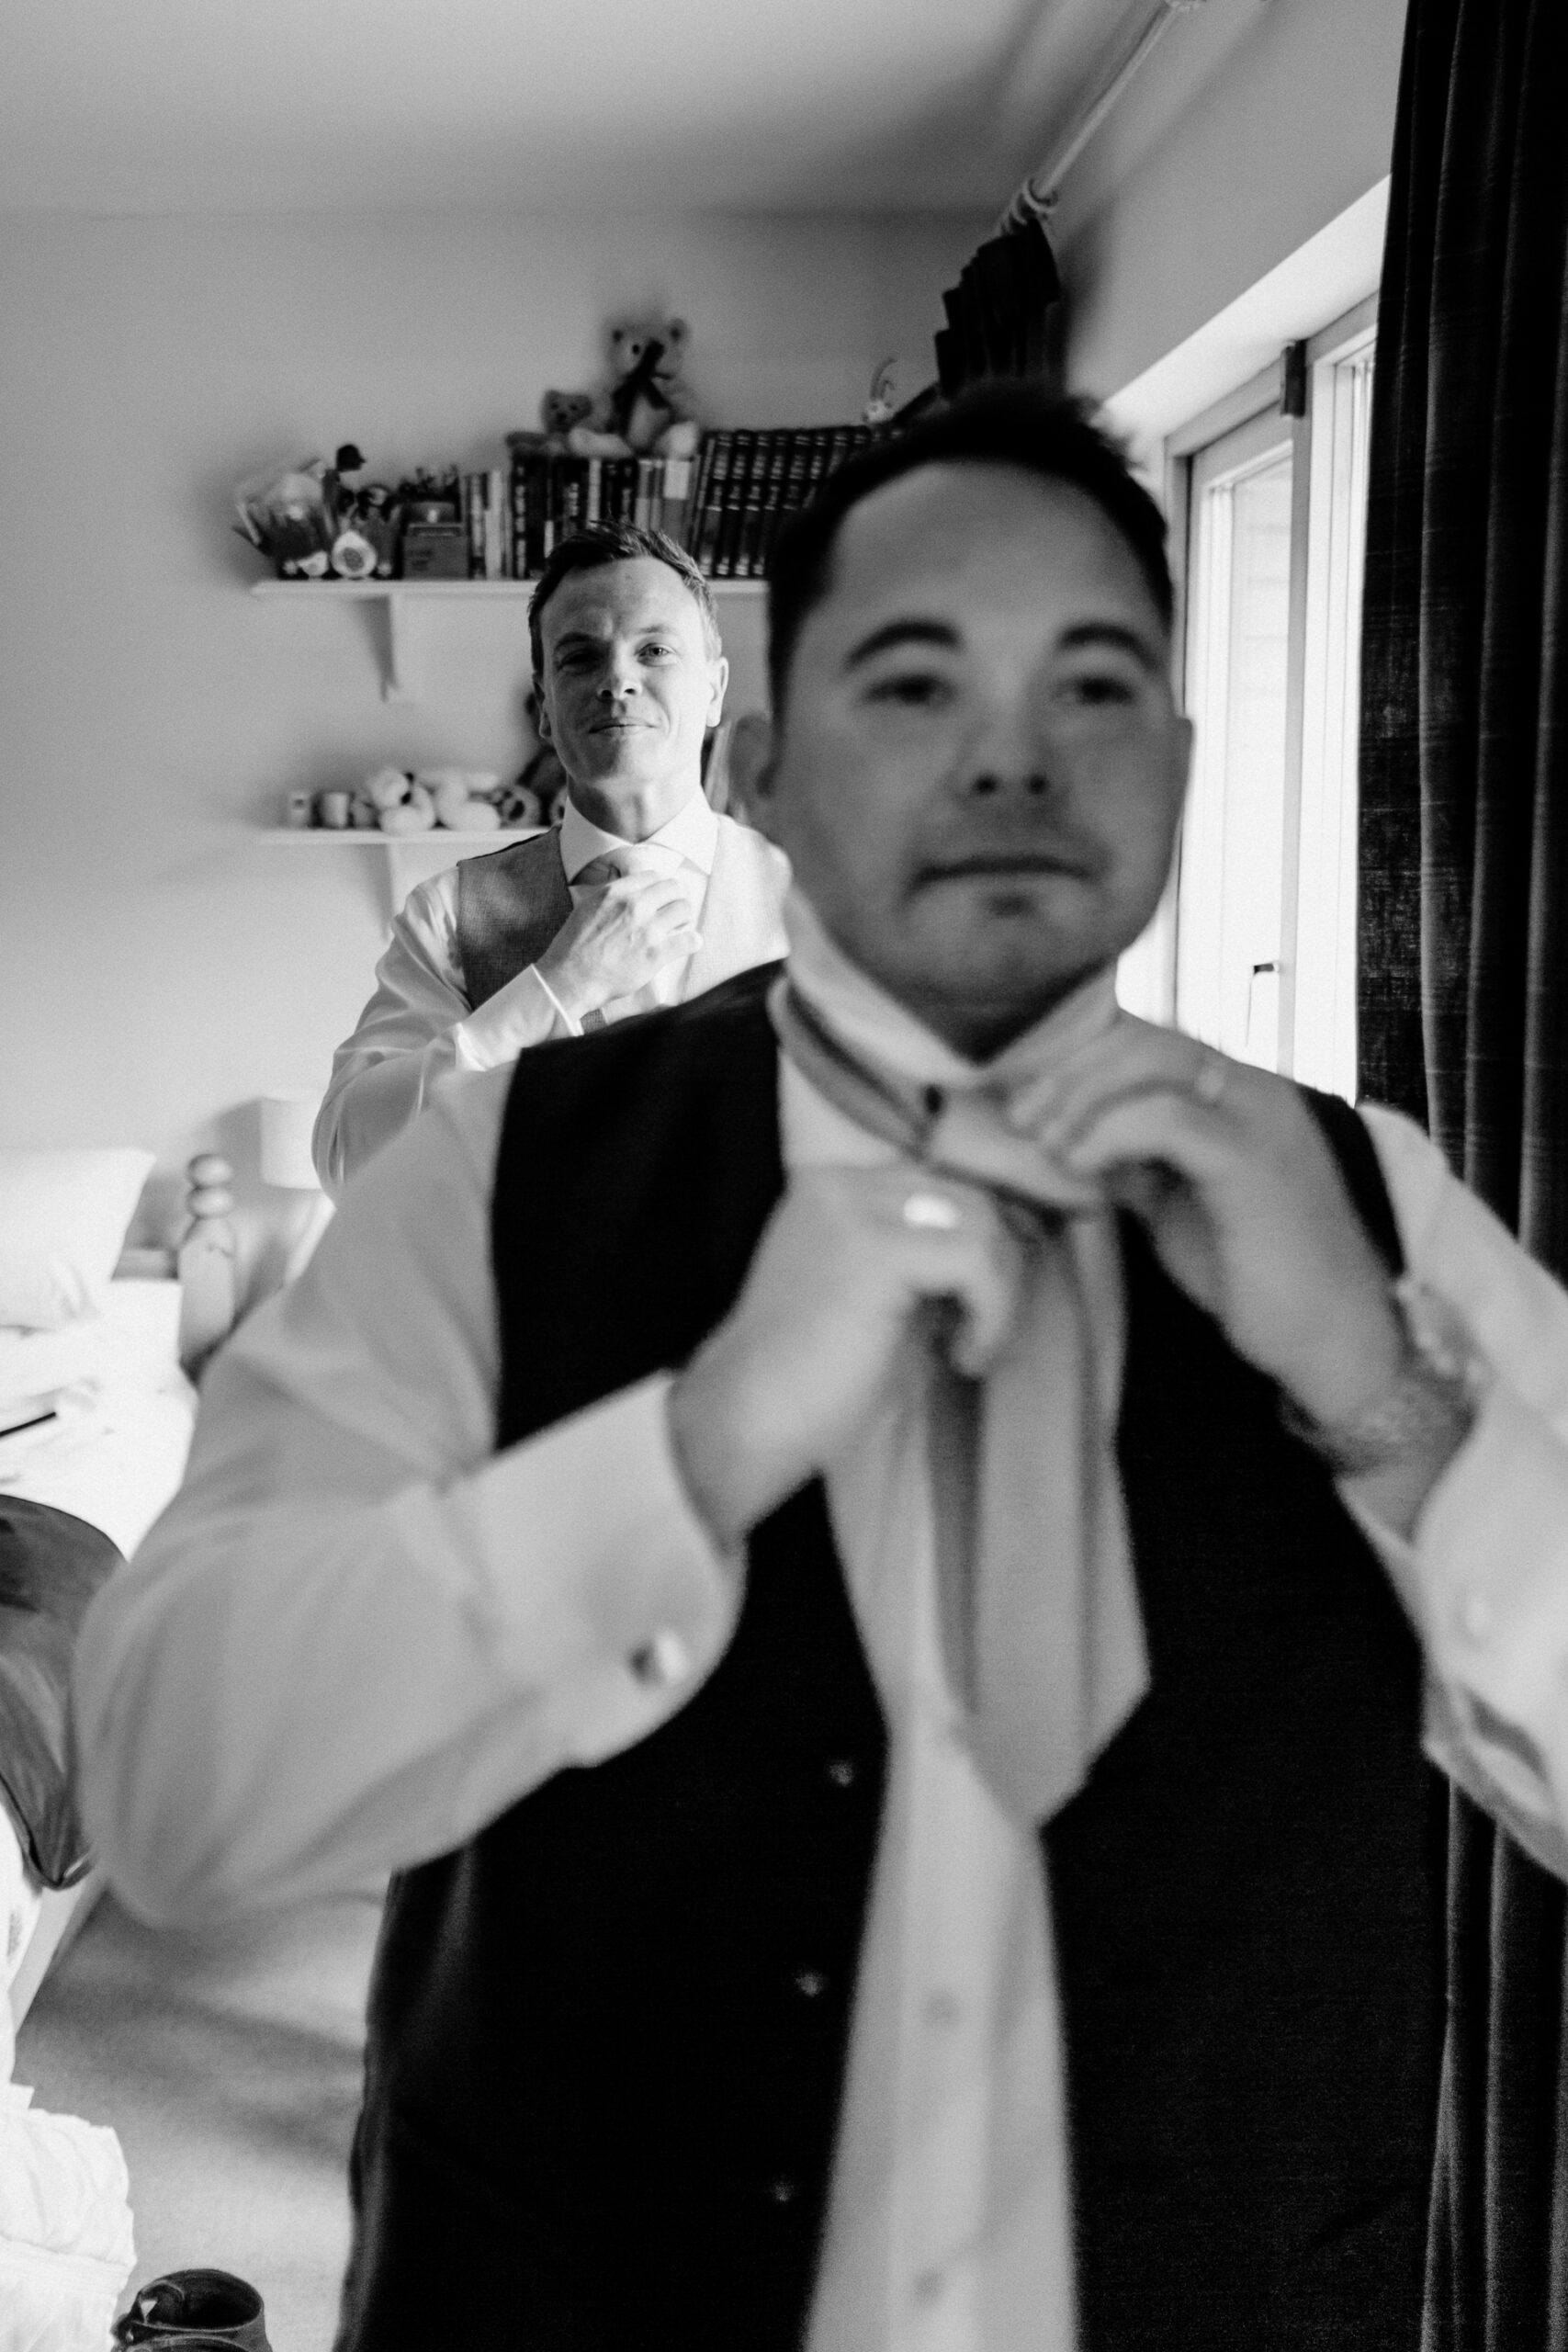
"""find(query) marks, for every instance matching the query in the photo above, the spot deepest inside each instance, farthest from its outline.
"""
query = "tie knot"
(633, 857)
(969, 1135)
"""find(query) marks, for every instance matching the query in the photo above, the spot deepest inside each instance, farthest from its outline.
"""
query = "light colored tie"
(1041, 1627)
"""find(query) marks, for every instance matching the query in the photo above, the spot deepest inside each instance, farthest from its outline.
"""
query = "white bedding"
(113, 1454)
(123, 1411)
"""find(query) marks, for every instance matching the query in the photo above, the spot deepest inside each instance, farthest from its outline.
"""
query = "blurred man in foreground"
(892, 1652)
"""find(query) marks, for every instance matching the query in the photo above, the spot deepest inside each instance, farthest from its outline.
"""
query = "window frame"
(1255, 402)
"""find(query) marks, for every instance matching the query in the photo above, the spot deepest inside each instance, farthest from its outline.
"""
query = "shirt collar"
(872, 1024)
(692, 832)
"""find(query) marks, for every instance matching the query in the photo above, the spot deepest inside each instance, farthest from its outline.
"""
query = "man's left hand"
(1226, 1169)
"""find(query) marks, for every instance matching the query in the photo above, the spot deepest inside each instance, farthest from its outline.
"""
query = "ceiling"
(201, 105)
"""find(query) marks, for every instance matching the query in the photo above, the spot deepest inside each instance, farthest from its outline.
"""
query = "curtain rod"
(1036, 196)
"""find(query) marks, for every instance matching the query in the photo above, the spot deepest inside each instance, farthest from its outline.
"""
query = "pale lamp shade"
(287, 1120)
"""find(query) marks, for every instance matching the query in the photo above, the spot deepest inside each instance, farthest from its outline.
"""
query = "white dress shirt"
(419, 1027)
(359, 1634)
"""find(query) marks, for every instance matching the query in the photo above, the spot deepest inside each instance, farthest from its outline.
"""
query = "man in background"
(642, 896)
(892, 1659)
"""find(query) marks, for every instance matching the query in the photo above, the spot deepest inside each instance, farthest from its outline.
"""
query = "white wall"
(158, 967)
(1251, 127)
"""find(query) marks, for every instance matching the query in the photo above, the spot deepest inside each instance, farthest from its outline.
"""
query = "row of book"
(725, 506)
(749, 479)
(551, 496)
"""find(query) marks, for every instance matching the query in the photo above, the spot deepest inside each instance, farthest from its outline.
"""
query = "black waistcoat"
(607, 2039)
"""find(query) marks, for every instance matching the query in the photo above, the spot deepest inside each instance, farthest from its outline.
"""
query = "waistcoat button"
(810, 1982)
(784, 2192)
(843, 1771)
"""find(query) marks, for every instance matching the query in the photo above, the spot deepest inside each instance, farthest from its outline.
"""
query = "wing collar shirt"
(241, 1744)
(418, 1026)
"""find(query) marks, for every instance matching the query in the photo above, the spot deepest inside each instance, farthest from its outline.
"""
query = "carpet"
(229, 2063)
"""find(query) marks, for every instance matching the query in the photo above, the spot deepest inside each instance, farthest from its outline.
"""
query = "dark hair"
(597, 544)
(1023, 424)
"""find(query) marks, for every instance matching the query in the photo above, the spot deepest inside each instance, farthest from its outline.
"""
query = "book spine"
(496, 520)
(728, 545)
(644, 516)
(748, 550)
(519, 515)
(555, 500)
(536, 513)
(770, 502)
(628, 471)
(473, 514)
(691, 503)
(573, 481)
(796, 470)
(715, 491)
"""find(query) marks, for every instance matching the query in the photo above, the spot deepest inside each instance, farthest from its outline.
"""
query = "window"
(1255, 947)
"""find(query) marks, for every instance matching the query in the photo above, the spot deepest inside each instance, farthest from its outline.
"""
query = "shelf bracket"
(397, 668)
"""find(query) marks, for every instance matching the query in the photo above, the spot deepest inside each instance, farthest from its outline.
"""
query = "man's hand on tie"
(1233, 1180)
(850, 1263)
(617, 939)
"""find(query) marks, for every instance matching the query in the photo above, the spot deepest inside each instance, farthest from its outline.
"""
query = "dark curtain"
(1463, 932)
(998, 315)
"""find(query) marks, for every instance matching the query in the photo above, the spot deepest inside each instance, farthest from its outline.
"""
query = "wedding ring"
(930, 1213)
(1209, 1081)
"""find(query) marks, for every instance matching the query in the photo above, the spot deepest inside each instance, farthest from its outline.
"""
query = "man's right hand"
(842, 1279)
(616, 940)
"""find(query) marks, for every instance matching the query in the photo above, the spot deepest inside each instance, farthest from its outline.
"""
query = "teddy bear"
(560, 412)
(641, 408)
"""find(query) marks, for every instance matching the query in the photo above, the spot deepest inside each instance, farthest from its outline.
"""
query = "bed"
(96, 1408)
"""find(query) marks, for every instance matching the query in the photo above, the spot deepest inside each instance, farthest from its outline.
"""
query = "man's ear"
(752, 759)
(541, 714)
(718, 674)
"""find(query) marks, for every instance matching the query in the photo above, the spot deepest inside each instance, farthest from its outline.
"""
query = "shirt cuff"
(520, 1014)
(595, 1553)
(1486, 1576)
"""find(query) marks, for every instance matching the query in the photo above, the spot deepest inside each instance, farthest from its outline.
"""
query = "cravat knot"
(1040, 1629)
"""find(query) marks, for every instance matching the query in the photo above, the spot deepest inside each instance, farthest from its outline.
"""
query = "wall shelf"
(403, 600)
(408, 855)
(369, 837)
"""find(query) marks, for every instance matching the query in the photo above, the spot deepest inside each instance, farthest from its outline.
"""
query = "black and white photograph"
(784, 1176)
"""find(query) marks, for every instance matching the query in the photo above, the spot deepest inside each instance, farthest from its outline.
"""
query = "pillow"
(62, 1221)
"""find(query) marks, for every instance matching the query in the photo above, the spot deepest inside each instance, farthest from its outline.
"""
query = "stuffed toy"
(311, 519)
(285, 515)
(648, 405)
(542, 778)
(461, 798)
(558, 413)
(401, 805)
(516, 805)
(641, 408)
